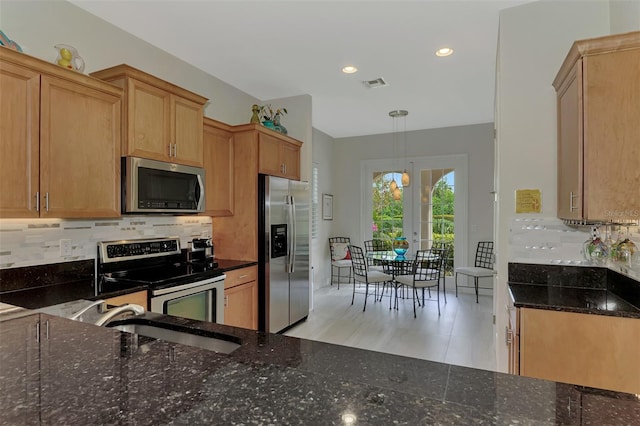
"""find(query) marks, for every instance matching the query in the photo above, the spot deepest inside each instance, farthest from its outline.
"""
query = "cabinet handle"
(46, 329)
(38, 332)
(172, 354)
(37, 201)
(175, 149)
(46, 201)
(508, 338)
(170, 150)
(226, 301)
(243, 276)
(571, 206)
(285, 168)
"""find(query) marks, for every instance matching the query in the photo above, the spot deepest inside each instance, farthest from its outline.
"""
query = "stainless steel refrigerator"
(283, 252)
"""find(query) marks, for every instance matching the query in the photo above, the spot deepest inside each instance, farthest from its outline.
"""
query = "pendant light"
(406, 180)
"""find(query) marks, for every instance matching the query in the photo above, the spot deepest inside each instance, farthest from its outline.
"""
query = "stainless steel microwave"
(150, 186)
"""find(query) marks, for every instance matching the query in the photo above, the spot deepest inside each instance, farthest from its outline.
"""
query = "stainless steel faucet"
(78, 314)
(112, 313)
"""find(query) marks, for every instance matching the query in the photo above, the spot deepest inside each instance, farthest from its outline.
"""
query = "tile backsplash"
(38, 241)
(545, 240)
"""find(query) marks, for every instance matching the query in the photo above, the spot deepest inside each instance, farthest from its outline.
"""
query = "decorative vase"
(268, 124)
(400, 246)
(279, 127)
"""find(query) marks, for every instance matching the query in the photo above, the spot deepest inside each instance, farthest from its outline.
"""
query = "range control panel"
(115, 251)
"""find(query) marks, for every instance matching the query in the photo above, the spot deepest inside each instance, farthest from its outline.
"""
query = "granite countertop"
(83, 374)
(586, 290)
(571, 299)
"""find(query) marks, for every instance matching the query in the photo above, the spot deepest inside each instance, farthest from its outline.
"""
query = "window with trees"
(387, 212)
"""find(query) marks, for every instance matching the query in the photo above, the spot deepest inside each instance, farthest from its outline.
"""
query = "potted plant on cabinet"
(271, 118)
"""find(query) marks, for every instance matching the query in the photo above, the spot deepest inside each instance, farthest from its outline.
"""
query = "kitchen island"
(57, 371)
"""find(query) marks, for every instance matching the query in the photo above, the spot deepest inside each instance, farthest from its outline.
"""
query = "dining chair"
(372, 246)
(340, 257)
(483, 266)
(427, 267)
(447, 264)
(362, 274)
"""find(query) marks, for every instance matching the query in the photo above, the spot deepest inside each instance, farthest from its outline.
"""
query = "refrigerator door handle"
(290, 234)
(292, 258)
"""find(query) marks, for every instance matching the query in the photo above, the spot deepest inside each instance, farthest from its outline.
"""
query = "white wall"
(624, 16)
(474, 140)
(533, 41)
(322, 159)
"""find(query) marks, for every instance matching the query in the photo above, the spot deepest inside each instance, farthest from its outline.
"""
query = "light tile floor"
(462, 335)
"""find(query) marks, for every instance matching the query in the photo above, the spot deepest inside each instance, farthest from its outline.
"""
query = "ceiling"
(275, 49)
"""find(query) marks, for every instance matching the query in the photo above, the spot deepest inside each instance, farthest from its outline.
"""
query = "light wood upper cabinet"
(60, 138)
(279, 155)
(161, 120)
(598, 129)
(79, 151)
(218, 165)
(20, 158)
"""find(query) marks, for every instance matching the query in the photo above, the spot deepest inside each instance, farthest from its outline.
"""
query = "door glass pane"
(437, 211)
(387, 206)
(193, 306)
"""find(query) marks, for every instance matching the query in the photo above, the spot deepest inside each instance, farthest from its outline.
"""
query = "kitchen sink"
(171, 333)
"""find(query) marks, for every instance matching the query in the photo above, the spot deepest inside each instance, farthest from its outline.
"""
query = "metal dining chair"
(362, 274)
(340, 257)
(427, 267)
(483, 266)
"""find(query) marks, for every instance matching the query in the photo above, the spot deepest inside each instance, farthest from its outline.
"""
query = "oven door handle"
(203, 283)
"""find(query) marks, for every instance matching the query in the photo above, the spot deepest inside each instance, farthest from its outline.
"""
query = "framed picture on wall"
(327, 206)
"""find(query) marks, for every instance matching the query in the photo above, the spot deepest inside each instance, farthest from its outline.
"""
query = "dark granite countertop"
(83, 374)
(571, 299)
(587, 290)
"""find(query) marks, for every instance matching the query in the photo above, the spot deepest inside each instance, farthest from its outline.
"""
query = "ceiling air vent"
(374, 84)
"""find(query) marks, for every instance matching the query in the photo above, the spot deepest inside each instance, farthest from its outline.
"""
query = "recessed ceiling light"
(349, 69)
(445, 51)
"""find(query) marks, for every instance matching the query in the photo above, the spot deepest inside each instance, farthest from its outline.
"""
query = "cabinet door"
(19, 366)
(187, 131)
(513, 340)
(80, 372)
(79, 151)
(149, 124)
(291, 160)
(20, 136)
(270, 156)
(588, 350)
(241, 306)
(570, 145)
(139, 298)
(218, 165)
(612, 135)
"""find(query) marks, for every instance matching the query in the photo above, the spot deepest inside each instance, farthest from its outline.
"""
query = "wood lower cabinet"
(512, 337)
(241, 298)
(590, 350)
(138, 298)
(60, 140)
(161, 120)
(219, 159)
(598, 129)
(19, 366)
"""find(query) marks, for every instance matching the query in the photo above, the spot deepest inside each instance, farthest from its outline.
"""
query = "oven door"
(202, 300)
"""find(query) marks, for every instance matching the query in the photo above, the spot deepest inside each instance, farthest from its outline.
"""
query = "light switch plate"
(65, 247)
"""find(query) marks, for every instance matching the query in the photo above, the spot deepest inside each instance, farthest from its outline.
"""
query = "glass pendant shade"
(397, 194)
(405, 179)
(393, 185)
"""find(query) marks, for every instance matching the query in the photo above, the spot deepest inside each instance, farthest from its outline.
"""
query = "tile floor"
(461, 335)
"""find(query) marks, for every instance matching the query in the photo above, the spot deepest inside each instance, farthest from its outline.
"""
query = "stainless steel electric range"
(177, 285)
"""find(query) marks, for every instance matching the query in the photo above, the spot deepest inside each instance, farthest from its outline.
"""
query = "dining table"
(395, 264)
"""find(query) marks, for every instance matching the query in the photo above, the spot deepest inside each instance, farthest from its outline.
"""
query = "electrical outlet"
(65, 247)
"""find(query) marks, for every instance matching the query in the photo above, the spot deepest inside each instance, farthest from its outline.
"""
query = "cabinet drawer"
(240, 276)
